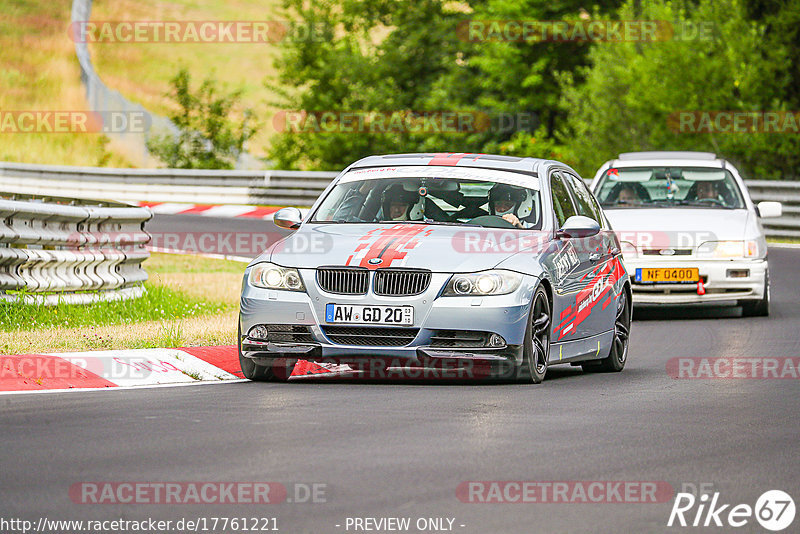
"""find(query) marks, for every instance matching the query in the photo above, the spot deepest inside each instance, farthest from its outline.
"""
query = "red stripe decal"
(389, 244)
(450, 159)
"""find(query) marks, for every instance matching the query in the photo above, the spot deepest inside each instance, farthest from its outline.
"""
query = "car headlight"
(271, 276)
(483, 283)
(729, 249)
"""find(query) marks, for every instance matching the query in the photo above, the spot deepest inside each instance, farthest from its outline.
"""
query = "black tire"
(278, 372)
(536, 347)
(758, 308)
(618, 354)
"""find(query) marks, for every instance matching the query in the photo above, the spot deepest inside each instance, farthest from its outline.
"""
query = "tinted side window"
(583, 198)
(562, 203)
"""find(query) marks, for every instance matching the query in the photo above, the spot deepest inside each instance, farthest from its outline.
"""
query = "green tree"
(207, 137)
(632, 90)
(406, 55)
(367, 56)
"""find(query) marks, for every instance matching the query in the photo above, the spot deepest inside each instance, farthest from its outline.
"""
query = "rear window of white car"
(637, 187)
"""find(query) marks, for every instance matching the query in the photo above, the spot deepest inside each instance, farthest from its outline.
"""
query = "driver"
(398, 204)
(707, 191)
(511, 203)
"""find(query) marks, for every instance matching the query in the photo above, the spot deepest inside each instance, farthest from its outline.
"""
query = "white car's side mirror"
(769, 209)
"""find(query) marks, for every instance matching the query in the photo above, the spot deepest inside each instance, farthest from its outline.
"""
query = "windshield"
(637, 187)
(433, 200)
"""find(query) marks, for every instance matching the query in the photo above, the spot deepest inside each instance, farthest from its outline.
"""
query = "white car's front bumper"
(720, 287)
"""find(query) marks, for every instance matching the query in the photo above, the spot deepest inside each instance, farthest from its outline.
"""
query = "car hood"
(678, 226)
(438, 248)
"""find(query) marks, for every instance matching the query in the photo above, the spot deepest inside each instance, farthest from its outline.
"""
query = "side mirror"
(769, 209)
(578, 226)
(288, 218)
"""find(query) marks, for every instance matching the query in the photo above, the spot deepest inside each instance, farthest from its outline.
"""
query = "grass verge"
(41, 73)
(785, 240)
(190, 301)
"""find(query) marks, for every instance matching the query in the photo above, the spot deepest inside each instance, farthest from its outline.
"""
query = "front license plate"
(662, 275)
(355, 314)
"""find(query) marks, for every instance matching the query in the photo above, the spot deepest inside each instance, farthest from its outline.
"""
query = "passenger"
(512, 204)
(628, 195)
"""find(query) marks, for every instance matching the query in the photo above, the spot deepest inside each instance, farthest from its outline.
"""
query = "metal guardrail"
(282, 188)
(291, 188)
(788, 194)
(73, 251)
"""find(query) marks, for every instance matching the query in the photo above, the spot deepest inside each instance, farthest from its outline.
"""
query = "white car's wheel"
(758, 308)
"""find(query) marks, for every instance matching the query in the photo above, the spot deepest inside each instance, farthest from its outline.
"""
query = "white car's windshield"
(431, 200)
(637, 187)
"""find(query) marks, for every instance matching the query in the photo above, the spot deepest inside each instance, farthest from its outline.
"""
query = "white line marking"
(124, 388)
(783, 245)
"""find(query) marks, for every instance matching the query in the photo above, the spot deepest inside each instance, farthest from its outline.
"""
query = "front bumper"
(505, 315)
(720, 287)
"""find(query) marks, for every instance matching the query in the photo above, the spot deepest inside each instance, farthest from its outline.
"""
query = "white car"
(690, 234)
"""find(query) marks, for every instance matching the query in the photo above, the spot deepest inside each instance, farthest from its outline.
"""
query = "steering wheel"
(491, 221)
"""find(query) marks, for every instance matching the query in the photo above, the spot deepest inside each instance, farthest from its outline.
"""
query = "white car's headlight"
(483, 283)
(729, 249)
(271, 276)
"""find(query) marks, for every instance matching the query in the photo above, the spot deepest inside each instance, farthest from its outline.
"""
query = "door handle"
(594, 256)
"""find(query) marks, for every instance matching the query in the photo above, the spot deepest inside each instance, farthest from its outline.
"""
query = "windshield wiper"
(429, 221)
(702, 204)
(449, 223)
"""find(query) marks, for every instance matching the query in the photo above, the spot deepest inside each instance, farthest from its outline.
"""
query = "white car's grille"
(667, 252)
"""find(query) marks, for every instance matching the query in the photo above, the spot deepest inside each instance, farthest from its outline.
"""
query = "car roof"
(668, 158)
(458, 159)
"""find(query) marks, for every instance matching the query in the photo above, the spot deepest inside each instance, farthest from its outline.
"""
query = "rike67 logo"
(774, 510)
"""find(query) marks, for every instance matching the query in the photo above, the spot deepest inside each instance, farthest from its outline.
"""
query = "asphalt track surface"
(400, 449)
